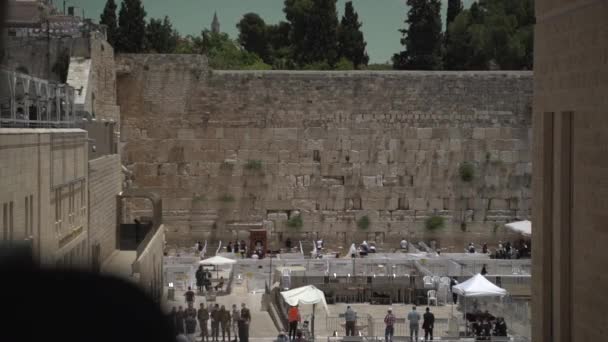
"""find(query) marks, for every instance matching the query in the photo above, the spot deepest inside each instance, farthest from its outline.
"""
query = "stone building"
(570, 171)
(231, 151)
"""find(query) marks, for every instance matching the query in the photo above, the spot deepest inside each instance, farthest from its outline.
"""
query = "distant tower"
(215, 25)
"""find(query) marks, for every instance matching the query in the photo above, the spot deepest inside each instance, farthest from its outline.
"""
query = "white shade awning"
(523, 227)
(217, 261)
(478, 286)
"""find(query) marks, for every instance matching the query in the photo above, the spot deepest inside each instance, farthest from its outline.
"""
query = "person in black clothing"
(288, 243)
(484, 271)
(500, 329)
(200, 278)
(244, 322)
(180, 317)
(453, 282)
(229, 248)
(428, 324)
(486, 329)
(200, 247)
(189, 296)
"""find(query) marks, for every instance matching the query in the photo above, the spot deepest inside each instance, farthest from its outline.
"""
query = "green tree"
(454, 9)
(160, 36)
(224, 53)
(108, 18)
(351, 44)
(422, 38)
(131, 27)
(492, 33)
(280, 46)
(253, 36)
(313, 35)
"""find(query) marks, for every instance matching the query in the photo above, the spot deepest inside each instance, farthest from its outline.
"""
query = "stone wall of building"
(229, 150)
(43, 177)
(570, 171)
(105, 183)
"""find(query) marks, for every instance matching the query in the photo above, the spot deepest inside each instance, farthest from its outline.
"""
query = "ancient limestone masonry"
(229, 150)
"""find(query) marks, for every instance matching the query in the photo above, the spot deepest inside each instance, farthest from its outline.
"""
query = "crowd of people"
(413, 317)
(484, 325)
(508, 250)
(226, 322)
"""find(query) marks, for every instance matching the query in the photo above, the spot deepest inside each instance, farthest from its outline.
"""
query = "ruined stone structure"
(233, 150)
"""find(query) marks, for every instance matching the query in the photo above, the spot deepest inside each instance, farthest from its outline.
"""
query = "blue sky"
(381, 18)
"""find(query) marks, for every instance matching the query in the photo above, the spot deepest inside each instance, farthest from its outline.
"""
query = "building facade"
(570, 177)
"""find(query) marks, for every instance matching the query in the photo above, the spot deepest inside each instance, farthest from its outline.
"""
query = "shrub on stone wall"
(295, 222)
(363, 223)
(434, 222)
(226, 198)
(467, 172)
(253, 165)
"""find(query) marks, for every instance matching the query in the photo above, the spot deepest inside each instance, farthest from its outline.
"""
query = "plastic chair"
(445, 281)
(431, 296)
(428, 281)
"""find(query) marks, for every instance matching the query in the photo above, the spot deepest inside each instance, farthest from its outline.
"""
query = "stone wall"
(43, 177)
(148, 267)
(105, 183)
(229, 150)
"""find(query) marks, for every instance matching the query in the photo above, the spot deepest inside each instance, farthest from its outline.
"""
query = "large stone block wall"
(105, 183)
(228, 150)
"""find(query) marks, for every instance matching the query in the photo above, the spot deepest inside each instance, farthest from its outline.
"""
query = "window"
(10, 221)
(5, 221)
(27, 216)
(31, 216)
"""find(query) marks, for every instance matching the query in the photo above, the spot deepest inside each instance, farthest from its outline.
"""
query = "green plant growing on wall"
(253, 165)
(227, 198)
(198, 198)
(363, 223)
(467, 172)
(295, 222)
(434, 222)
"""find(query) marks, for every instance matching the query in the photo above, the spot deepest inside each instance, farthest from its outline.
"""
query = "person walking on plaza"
(190, 321)
(179, 320)
(414, 318)
(293, 316)
(236, 314)
(189, 296)
(389, 321)
(225, 323)
(428, 324)
(350, 316)
(215, 323)
(453, 282)
(203, 319)
(244, 323)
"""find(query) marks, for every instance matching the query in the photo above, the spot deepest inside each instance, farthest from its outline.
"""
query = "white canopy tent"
(476, 287)
(217, 261)
(306, 295)
(523, 227)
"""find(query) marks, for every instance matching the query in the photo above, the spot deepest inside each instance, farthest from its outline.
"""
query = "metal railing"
(30, 102)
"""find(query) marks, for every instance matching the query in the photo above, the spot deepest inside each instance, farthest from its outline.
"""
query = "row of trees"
(311, 38)
(492, 34)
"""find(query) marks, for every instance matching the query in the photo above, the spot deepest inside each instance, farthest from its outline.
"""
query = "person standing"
(293, 316)
(414, 318)
(203, 319)
(236, 314)
(244, 322)
(225, 323)
(389, 321)
(200, 278)
(179, 320)
(350, 316)
(171, 317)
(215, 323)
(453, 283)
(484, 271)
(428, 324)
(189, 296)
(190, 321)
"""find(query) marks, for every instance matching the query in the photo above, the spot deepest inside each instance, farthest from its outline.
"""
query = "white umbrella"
(523, 227)
(306, 295)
